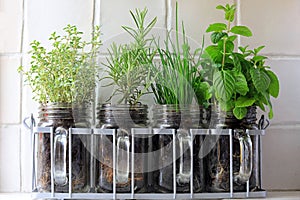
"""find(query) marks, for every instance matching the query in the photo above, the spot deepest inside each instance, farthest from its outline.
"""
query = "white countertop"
(271, 195)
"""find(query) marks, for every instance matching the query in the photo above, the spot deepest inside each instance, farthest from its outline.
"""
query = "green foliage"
(179, 80)
(129, 66)
(66, 73)
(240, 79)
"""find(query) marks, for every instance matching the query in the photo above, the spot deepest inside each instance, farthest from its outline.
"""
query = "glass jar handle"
(185, 147)
(245, 157)
(123, 153)
(60, 156)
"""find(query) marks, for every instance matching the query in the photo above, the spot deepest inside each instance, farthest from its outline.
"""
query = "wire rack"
(132, 195)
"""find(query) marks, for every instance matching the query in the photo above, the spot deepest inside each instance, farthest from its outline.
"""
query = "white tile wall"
(10, 159)
(287, 107)
(44, 17)
(10, 26)
(281, 166)
(9, 90)
(116, 13)
(273, 22)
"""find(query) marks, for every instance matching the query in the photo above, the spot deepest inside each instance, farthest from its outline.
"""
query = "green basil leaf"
(214, 53)
(240, 112)
(232, 38)
(241, 85)
(216, 27)
(229, 46)
(224, 85)
(274, 84)
(260, 79)
(241, 30)
(217, 36)
(226, 105)
(244, 102)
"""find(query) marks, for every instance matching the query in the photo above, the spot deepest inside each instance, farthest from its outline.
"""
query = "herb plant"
(178, 80)
(240, 78)
(66, 73)
(129, 66)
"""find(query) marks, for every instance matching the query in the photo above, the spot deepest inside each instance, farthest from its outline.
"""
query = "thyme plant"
(66, 73)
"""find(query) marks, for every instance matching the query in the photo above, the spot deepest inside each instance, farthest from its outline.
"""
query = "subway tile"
(45, 17)
(281, 166)
(9, 90)
(10, 159)
(116, 13)
(274, 24)
(286, 107)
(11, 12)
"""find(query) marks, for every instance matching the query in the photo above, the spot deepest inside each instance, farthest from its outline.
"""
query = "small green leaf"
(244, 101)
(258, 58)
(241, 30)
(216, 27)
(216, 36)
(214, 53)
(241, 85)
(226, 105)
(232, 38)
(220, 7)
(274, 84)
(271, 113)
(258, 49)
(260, 79)
(240, 112)
(224, 84)
(229, 46)
(229, 13)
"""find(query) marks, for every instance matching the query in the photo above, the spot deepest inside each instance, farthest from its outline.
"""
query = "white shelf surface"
(284, 195)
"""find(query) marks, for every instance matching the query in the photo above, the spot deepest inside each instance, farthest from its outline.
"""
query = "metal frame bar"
(132, 195)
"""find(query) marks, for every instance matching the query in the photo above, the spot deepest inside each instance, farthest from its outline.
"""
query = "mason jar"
(122, 118)
(181, 119)
(60, 117)
(218, 159)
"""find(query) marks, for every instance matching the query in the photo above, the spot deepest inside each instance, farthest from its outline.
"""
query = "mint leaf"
(274, 84)
(241, 30)
(260, 79)
(214, 53)
(240, 112)
(244, 102)
(224, 85)
(216, 27)
(229, 46)
(241, 85)
(216, 36)
(226, 105)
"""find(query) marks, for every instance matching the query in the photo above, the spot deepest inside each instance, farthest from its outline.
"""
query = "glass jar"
(181, 119)
(59, 116)
(218, 159)
(122, 118)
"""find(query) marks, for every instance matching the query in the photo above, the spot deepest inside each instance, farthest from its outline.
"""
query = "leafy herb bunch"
(129, 66)
(66, 73)
(240, 78)
(178, 80)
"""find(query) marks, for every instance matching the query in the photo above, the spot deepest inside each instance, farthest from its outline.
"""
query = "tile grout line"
(21, 92)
